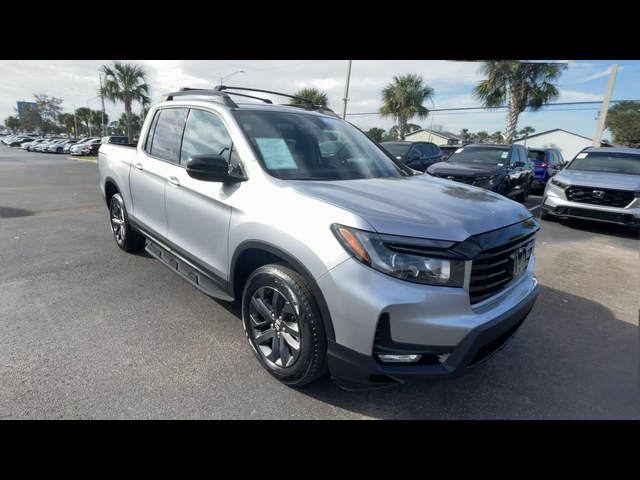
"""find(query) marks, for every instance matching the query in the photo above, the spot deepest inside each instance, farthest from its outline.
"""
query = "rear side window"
(428, 151)
(204, 134)
(164, 137)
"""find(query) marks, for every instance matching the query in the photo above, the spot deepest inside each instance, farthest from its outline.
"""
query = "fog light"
(400, 358)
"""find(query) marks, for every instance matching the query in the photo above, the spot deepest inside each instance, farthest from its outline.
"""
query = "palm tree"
(403, 100)
(318, 97)
(126, 83)
(497, 137)
(522, 84)
(466, 136)
(85, 115)
(526, 131)
(68, 122)
(482, 136)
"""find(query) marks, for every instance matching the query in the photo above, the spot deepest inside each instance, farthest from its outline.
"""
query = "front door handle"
(174, 181)
(139, 166)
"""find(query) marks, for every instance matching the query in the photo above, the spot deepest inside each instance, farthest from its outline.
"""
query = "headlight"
(369, 249)
(484, 179)
(560, 184)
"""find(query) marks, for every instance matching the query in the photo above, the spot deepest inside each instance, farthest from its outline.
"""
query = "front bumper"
(374, 314)
(354, 371)
(555, 203)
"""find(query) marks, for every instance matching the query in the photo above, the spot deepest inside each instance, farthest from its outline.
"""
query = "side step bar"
(193, 276)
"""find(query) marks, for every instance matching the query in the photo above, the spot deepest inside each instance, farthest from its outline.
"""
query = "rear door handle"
(139, 166)
(174, 181)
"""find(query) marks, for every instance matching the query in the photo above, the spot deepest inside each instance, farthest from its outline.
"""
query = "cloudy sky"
(76, 82)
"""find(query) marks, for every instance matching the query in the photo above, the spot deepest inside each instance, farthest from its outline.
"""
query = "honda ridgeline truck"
(344, 259)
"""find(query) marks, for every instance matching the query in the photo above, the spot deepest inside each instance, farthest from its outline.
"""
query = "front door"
(198, 212)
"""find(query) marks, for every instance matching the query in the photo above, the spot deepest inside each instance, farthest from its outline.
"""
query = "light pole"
(346, 91)
(222, 80)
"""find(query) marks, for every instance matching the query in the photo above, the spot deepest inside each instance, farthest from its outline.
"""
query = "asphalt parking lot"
(89, 332)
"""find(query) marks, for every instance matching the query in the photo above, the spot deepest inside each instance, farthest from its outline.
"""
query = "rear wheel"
(503, 190)
(59, 150)
(283, 324)
(126, 238)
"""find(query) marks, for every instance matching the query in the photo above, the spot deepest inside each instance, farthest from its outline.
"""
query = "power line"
(502, 107)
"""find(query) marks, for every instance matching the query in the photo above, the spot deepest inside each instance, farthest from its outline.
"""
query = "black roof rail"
(308, 103)
(218, 96)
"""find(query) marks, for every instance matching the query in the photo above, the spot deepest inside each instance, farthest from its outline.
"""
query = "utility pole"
(102, 98)
(75, 122)
(346, 91)
(602, 121)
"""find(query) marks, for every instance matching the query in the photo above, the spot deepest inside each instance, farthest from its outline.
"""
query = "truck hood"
(612, 181)
(464, 169)
(421, 207)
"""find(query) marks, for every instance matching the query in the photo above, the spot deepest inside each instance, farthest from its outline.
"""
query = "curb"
(81, 159)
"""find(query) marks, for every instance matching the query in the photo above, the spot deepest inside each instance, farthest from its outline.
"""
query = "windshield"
(481, 155)
(398, 150)
(294, 146)
(607, 162)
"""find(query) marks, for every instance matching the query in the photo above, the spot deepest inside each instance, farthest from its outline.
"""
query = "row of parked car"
(511, 170)
(76, 147)
(600, 184)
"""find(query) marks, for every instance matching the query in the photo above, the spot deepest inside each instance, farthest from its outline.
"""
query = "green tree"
(466, 135)
(624, 123)
(95, 117)
(522, 84)
(318, 97)
(13, 123)
(482, 136)
(123, 126)
(403, 100)
(377, 134)
(126, 83)
(49, 107)
(497, 137)
(85, 116)
(32, 121)
(68, 121)
(526, 131)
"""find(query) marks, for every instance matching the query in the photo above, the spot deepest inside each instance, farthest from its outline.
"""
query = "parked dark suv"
(416, 155)
(548, 163)
(504, 169)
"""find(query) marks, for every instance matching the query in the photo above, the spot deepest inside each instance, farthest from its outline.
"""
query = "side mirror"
(519, 165)
(211, 168)
(415, 158)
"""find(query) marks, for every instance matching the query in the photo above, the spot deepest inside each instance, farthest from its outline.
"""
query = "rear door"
(198, 212)
(152, 166)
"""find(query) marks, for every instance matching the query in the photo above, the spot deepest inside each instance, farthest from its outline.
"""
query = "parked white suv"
(343, 259)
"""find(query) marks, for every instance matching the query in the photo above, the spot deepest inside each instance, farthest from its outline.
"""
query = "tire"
(126, 238)
(503, 190)
(524, 196)
(295, 320)
(59, 151)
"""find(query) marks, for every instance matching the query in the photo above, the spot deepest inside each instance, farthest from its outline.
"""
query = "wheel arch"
(252, 255)
(110, 189)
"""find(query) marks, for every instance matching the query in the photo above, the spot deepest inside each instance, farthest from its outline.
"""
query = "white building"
(439, 138)
(568, 143)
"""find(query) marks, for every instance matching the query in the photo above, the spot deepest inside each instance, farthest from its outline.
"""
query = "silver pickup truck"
(344, 259)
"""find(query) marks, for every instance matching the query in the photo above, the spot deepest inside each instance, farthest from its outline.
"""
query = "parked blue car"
(548, 162)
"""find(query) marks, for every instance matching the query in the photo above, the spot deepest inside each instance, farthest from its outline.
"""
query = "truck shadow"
(572, 359)
(9, 212)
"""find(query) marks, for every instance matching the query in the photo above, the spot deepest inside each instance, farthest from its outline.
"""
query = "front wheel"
(524, 196)
(283, 325)
(126, 238)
